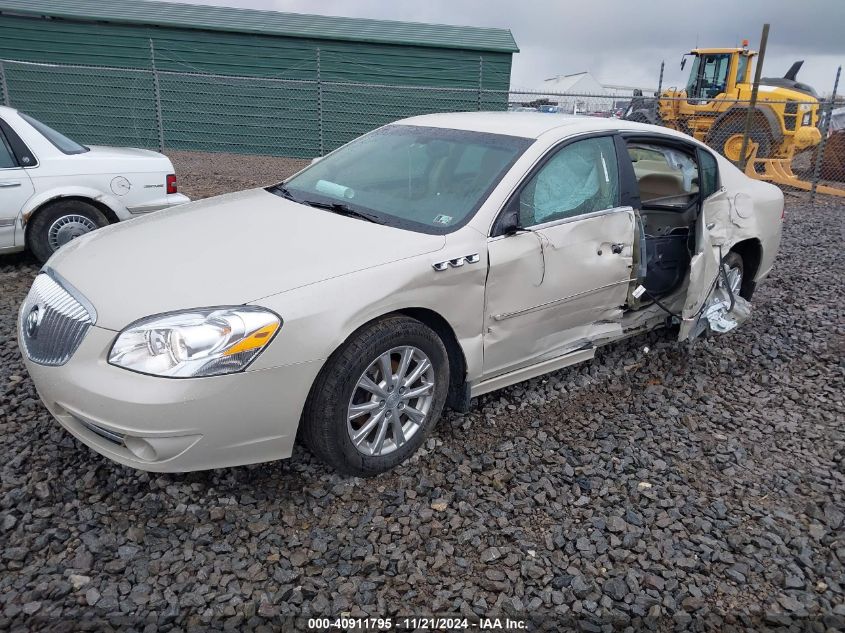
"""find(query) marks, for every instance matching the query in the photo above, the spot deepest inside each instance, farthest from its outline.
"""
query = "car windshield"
(62, 142)
(421, 178)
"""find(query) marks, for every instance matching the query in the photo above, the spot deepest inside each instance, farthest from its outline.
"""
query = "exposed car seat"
(661, 186)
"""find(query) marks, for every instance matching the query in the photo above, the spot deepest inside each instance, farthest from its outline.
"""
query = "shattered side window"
(665, 176)
(581, 178)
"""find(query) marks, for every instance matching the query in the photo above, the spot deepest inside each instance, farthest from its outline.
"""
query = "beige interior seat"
(654, 186)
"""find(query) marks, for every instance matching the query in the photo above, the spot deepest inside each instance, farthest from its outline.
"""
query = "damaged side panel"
(557, 288)
(710, 302)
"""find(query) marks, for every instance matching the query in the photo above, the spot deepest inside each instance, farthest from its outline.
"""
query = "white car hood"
(228, 250)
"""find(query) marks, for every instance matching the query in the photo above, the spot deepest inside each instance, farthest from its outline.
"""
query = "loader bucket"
(779, 171)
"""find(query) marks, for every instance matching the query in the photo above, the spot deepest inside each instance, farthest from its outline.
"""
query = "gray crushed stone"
(663, 489)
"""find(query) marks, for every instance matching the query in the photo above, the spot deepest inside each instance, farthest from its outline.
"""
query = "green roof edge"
(58, 9)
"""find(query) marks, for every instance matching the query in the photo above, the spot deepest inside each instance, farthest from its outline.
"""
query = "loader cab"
(716, 72)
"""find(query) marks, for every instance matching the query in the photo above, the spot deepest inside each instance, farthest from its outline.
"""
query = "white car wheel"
(68, 227)
(57, 224)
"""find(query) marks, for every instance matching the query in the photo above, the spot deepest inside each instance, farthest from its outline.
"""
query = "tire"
(734, 262)
(727, 138)
(325, 429)
(79, 218)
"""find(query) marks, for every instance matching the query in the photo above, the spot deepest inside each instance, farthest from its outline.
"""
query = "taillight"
(171, 183)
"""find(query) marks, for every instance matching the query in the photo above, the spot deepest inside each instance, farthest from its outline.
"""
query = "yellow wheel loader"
(714, 104)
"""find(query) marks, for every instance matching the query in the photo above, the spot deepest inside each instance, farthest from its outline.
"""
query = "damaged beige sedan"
(425, 263)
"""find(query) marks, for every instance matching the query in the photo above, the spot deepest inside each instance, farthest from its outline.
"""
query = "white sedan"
(425, 263)
(52, 189)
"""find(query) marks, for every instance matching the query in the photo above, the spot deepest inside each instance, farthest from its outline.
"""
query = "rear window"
(7, 159)
(62, 142)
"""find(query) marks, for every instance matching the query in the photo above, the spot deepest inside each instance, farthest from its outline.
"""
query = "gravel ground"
(672, 488)
(201, 175)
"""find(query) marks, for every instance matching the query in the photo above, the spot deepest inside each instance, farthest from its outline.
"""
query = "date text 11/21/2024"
(415, 624)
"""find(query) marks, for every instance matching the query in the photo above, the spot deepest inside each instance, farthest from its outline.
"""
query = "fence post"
(817, 167)
(4, 87)
(660, 81)
(320, 105)
(157, 95)
(748, 116)
(480, 79)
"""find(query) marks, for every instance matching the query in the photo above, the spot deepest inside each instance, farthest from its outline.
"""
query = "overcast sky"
(620, 41)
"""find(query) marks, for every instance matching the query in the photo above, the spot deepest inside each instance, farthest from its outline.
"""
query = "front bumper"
(174, 425)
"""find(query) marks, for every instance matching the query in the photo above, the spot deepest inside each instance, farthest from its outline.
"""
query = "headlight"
(808, 116)
(193, 343)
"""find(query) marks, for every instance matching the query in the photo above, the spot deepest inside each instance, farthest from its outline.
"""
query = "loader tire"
(726, 138)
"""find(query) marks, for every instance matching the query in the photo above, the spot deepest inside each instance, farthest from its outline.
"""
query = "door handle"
(8, 184)
(617, 248)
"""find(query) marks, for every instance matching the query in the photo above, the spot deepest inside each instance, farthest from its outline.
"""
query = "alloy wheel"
(391, 401)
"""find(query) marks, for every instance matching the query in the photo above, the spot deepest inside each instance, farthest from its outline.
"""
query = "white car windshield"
(421, 178)
(62, 142)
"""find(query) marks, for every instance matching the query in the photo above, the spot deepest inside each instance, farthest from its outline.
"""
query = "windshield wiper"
(343, 209)
(335, 207)
(284, 192)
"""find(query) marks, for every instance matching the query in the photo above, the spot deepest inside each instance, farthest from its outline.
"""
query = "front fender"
(319, 317)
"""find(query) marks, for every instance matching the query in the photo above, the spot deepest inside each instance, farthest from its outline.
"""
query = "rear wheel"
(57, 224)
(377, 398)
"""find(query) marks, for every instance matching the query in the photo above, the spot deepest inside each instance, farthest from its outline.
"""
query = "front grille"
(53, 320)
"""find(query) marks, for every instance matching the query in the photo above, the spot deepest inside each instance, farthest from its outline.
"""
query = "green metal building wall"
(232, 100)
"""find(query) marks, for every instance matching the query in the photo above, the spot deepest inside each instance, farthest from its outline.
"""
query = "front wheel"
(59, 223)
(377, 398)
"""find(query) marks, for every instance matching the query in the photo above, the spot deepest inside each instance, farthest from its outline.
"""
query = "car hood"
(228, 250)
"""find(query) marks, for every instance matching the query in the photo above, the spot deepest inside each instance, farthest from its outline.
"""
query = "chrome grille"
(53, 320)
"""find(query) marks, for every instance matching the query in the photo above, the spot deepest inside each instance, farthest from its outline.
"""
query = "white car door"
(558, 283)
(15, 189)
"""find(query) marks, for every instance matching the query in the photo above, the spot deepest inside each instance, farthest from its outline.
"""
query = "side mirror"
(683, 62)
(638, 92)
(316, 160)
(508, 223)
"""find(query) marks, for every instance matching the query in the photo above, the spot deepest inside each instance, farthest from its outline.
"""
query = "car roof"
(531, 124)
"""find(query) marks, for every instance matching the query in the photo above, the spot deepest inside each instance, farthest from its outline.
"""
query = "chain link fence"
(220, 113)
(797, 144)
